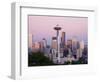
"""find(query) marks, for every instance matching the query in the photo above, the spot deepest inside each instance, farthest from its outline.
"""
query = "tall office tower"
(54, 43)
(74, 47)
(30, 42)
(81, 47)
(41, 46)
(78, 50)
(82, 44)
(63, 39)
(36, 46)
(78, 44)
(78, 53)
(54, 47)
(69, 44)
(74, 43)
(44, 42)
(57, 28)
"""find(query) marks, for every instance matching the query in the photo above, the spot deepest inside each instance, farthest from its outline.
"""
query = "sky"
(43, 27)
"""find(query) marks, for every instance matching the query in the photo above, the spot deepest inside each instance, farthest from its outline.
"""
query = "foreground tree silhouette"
(38, 59)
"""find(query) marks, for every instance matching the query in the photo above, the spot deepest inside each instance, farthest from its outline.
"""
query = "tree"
(38, 59)
(67, 63)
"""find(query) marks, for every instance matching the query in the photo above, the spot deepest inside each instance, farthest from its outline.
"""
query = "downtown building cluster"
(60, 50)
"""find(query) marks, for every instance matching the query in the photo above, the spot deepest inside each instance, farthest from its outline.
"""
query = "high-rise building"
(41, 46)
(54, 43)
(44, 42)
(69, 44)
(74, 43)
(78, 44)
(63, 39)
(36, 46)
(54, 47)
(82, 44)
(81, 47)
(30, 41)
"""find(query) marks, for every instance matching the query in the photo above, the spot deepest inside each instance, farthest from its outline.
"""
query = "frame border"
(16, 57)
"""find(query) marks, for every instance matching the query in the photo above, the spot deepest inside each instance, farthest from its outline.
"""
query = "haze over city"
(43, 27)
(56, 40)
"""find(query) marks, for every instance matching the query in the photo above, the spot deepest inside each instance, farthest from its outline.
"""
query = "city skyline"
(57, 40)
(42, 27)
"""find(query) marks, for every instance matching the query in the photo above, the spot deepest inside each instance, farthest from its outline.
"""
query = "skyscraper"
(54, 43)
(69, 44)
(30, 41)
(44, 42)
(74, 43)
(63, 39)
(41, 46)
(81, 47)
(54, 48)
(36, 46)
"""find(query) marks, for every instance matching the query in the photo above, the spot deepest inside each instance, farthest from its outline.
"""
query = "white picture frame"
(19, 67)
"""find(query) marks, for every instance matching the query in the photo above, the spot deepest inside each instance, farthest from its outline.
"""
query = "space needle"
(57, 28)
